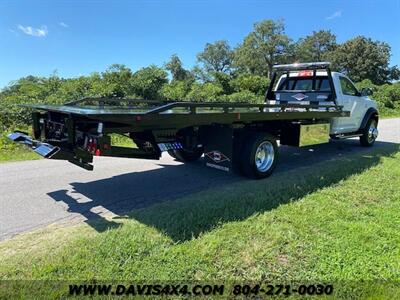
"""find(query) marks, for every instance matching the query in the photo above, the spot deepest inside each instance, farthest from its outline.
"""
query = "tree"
(216, 57)
(115, 82)
(265, 46)
(176, 90)
(205, 92)
(223, 80)
(253, 83)
(174, 66)
(316, 46)
(362, 58)
(147, 82)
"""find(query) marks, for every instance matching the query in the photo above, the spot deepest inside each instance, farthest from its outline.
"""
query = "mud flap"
(219, 150)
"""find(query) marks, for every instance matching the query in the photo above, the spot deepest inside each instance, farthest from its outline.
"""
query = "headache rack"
(306, 70)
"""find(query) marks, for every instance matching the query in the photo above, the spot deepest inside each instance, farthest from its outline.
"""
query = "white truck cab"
(352, 100)
(315, 86)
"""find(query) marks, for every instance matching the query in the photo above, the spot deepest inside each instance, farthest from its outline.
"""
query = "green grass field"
(337, 221)
(17, 154)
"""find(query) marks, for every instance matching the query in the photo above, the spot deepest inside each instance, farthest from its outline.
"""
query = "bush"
(243, 97)
(366, 83)
(176, 90)
(205, 92)
(147, 82)
(253, 83)
(389, 95)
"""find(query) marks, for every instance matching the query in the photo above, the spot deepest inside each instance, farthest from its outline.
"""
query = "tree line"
(222, 72)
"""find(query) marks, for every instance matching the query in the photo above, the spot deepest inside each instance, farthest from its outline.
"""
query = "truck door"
(351, 100)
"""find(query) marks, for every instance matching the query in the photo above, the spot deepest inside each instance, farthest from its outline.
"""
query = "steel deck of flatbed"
(182, 114)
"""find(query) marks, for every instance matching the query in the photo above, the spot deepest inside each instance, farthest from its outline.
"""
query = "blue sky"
(79, 37)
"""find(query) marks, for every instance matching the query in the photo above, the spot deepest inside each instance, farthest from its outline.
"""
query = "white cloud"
(336, 14)
(62, 24)
(38, 32)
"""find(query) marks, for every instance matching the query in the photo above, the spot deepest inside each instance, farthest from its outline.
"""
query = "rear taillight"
(306, 73)
(92, 146)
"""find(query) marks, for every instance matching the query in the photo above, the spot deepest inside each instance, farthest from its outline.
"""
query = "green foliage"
(116, 82)
(216, 57)
(389, 95)
(174, 66)
(362, 58)
(366, 83)
(244, 96)
(147, 82)
(205, 92)
(224, 81)
(254, 83)
(265, 46)
(315, 47)
(175, 90)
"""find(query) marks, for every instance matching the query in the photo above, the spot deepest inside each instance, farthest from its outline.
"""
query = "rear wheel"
(184, 155)
(259, 155)
(370, 133)
(172, 153)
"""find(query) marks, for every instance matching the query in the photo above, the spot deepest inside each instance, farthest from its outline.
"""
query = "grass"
(10, 151)
(337, 221)
(17, 154)
(386, 113)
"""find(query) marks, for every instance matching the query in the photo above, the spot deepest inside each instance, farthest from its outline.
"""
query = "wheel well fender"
(370, 113)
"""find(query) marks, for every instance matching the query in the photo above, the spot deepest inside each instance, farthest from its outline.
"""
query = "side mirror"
(366, 92)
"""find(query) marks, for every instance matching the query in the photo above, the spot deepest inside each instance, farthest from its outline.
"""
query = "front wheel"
(369, 133)
(259, 155)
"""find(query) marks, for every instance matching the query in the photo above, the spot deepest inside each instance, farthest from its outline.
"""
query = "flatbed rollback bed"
(232, 136)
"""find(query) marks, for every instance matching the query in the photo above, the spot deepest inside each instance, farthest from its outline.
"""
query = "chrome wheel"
(372, 132)
(264, 156)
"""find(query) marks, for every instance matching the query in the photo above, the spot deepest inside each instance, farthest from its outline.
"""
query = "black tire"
(185, 155)
(248, 164)
(369, 133)
(171, 153)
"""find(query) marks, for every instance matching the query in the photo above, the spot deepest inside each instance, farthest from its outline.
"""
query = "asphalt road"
(37, 193)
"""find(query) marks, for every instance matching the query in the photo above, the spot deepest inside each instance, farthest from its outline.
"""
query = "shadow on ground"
(185, 200)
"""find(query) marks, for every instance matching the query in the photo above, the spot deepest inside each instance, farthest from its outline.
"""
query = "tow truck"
(306, 104)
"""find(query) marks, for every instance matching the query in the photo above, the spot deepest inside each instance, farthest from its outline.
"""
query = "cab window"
(304, 84)
(347, 87)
